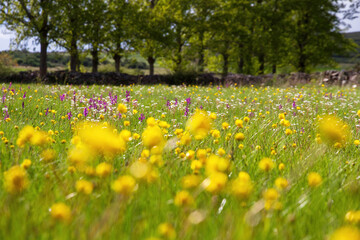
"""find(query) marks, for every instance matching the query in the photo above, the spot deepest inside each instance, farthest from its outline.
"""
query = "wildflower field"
(176, 162)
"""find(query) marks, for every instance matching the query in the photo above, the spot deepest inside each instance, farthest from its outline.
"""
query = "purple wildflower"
(142, 117)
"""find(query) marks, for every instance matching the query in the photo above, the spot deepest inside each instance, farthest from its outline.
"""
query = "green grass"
(306, 213)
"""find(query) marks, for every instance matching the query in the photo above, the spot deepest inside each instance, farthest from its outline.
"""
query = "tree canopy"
(243, 36)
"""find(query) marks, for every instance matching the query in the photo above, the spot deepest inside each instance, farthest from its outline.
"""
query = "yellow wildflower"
(333, 131)
(199, 125)
(314, 179)
(124, 185)
(26, 163)
(15, 180)
(166, 230)
(103, 169)
(346, 233)
(122, 108)
(217, 182)
(266, 164)
(83, 186)
(183, 198)
(61, 212)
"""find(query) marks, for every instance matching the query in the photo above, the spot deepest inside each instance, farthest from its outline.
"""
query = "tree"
(96, 28)
(31, 19)
(70, 19)
(121, 15)
(179, 15)
(315, 34)
(150, 35)
(203, 10)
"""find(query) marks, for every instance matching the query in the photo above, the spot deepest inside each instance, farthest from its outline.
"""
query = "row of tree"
(244, 36)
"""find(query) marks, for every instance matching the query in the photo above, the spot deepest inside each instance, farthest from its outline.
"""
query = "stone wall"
(340, 78)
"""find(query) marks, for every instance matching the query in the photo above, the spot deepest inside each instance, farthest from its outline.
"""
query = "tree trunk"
(262, 63)
(178, 59)
(74, 55)
(43, 54)
(201, 53)
(302, 59)
(274, 68)
(95, 60)
(151, 61)
(302, 65)
(117, 59)
(225, 65)
(241, 65)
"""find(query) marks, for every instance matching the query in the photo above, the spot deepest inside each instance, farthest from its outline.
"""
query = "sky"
(6, 36)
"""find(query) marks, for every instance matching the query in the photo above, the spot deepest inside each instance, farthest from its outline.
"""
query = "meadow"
(179, 162)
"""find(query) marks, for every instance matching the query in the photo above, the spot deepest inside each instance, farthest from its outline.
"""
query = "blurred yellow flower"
(266, 164)
(122, 108)
(153, 136)
(167, 231)
(190, 181)
(216, 182)
(15, 180)
(333, 131)
(225, 125)
(242, 187)
(103, 169)
(352, 217)
(239, 136)
(239, 123)
(101, 139)
(215, 163)
(83, 186)
(281, 183)
(61, 212)
(346, 233)
(124, 185)
(314, 179)
(199, 125)
(26, 163)
(183, 199)
(48, 155)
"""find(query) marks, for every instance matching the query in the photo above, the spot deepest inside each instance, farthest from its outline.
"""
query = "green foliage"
(250, 37)
(6, 62)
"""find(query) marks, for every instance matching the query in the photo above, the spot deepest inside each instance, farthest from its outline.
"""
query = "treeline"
(243, 36)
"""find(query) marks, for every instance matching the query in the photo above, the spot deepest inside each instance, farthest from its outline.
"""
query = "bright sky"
(6, 36)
